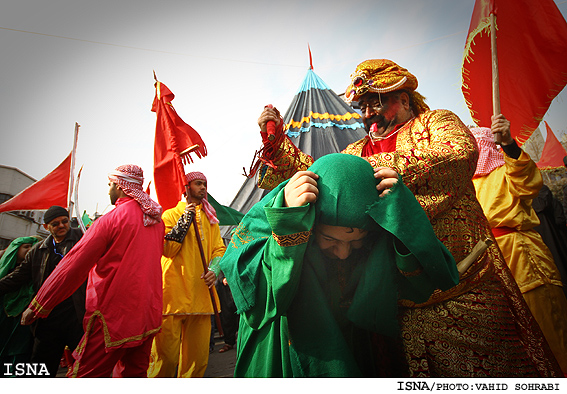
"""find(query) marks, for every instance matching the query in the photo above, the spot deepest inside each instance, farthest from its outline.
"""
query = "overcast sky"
(91, 62)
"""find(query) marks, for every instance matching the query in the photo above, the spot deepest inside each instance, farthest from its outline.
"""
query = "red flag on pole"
(50, 190)
(532, 59)
(553, 152)
(173, 138)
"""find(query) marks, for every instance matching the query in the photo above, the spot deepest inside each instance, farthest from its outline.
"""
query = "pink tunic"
(121, 258)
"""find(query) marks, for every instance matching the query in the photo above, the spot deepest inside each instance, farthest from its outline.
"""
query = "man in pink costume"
(120, 254)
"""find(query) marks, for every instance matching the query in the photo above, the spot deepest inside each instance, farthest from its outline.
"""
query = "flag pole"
(495, 75)
(205, 268)
(199, 243)
(189, 137)
(71, 175)
(77, 210)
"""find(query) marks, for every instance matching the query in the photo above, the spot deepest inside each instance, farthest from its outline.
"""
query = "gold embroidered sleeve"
(436, 155)
(289, 160)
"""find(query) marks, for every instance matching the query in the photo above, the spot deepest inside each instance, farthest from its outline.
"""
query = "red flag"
(532, 59)
(553, 152)
(50, 190)
(173, 137)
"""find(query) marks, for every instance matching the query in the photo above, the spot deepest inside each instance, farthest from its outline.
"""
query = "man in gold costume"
(506, 182)
(481, 327)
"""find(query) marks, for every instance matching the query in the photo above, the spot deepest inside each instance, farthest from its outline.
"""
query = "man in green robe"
(316, 269)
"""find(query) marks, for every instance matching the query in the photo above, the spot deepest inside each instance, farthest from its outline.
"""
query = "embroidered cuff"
(39, 310)
(179, 231)
(407, 264)
(292, 239)
(418, 286)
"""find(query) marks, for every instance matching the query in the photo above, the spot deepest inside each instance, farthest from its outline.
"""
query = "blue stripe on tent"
(312, 81)
(353, 126)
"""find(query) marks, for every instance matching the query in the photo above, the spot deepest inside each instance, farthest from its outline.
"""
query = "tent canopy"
(318, 122)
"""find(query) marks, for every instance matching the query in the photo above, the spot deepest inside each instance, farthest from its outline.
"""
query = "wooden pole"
(205, 267)
(71, 175)
(199, 243)
(196, 227)
(495, 75)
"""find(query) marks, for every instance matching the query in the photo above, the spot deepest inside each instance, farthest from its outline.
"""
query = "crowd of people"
(413, 253)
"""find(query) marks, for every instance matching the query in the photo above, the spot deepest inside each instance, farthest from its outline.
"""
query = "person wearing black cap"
(64, 325)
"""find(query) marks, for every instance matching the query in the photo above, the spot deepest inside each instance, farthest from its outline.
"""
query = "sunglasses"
(57, 223)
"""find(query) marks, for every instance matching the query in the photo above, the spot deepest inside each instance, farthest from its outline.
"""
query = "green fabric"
(323, 337)
(227, 216)
(15, 340)
(86, 219)
(16, 302)
(343, 195)
(293, 322)
(214, 265)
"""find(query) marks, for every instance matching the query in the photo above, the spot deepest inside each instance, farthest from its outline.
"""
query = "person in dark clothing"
(64, 326)
(15, 340)
(228, 316)
(552, 229)
(565, 190)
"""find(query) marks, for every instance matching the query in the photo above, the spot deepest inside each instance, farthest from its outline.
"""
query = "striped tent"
(318, 122)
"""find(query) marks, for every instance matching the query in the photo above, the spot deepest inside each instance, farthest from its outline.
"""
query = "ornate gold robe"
(482, 326)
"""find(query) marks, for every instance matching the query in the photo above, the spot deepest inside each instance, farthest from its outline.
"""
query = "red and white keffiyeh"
(130, 178)
(207, 207)
(490, 156)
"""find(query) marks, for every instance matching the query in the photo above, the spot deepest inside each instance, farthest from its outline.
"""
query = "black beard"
(378, 119)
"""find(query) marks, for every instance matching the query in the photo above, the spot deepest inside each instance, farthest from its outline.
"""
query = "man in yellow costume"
(183, 343)
(481, 327)
(506, 182)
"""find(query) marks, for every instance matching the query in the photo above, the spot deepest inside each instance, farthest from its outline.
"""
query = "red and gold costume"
(482, 326)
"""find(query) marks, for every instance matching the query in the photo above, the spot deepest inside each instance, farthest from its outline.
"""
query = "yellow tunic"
(181, 347)
(506, 196)
(184, 292)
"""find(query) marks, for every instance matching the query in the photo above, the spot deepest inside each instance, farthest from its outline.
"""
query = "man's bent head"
(338, 242)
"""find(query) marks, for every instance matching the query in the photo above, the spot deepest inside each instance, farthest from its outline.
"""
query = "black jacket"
(39, 264)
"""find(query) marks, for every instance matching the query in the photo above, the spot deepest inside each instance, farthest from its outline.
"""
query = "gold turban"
(383, 76)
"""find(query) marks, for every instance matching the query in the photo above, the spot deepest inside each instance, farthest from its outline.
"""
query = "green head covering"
(15, 302)
(347, 188)
(348, 198)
